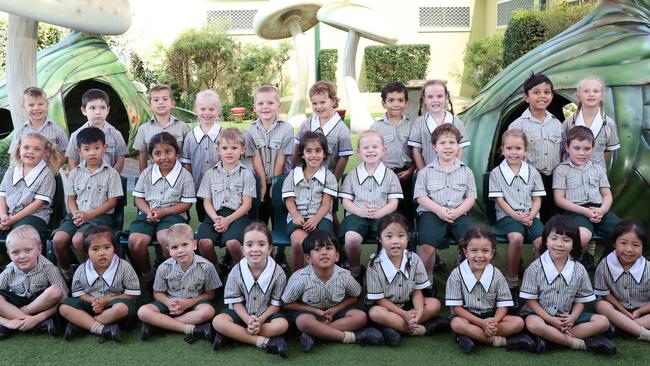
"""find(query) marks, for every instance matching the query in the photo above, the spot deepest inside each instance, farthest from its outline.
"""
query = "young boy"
(445, 191)
(269, 142)
(92, 190)
(396, 127)
(544, 133)
(35, 106)
(161, 103)
(30, 287)
(95, 106)
(369, 192)
(228, 191)
(581, 188)
(322, 296)
(183, 291)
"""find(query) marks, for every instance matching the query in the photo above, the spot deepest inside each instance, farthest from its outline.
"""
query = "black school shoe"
(72, 331)
(369, 337)
(465, 343)
(540, 344)
(111, 332)
(277, 346)
(149, 331)
(47, 326)
(436, 324)
(5, 332)
(218, 342)
(600, 345)
(201, 331)
(306, 342)
(392, 337)
(521, 342)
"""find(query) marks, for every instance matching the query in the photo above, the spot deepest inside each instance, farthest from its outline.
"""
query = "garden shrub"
(483, 60)
(327, 59)
(47, 36)
(384, 64)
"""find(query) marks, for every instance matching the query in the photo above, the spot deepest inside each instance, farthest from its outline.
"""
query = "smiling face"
(559, 246)
(267, 106)
(539, 97)
(101, 251)
(229, 151)
(164, 155)
(35, 108)
(628, 248)
(580, 151)
(371, 149)
(590, 93)
(32, 151)
(479, 252)
(446, 146)
(207, 109)
(395, 104)
(313, 154)
(161, 102)
(24, 253)
(323, 106)
(513, 149)
(182, 249)
(323, 257)
(96, 112)
(256, 248)
(394, 239)
(435, 98)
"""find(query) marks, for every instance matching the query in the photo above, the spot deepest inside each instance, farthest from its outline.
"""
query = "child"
(396, 127)
(253, 315)
(395, 279)
(161, 102)
(228, 191)
(321, 297)
(556, 288)
(308, 192)
(544, 133)
(28, 185)
(104, 290)
(30, 286)
(591, 114)
(183, 291)
(163, 194)
(269, 140)
(200, 152)
(445, 191)
(435, 97)
(95, 106)
(92, 190)
(478, 297)
(328, 122)
(581, 189)
(35, 106)
(369, 192)
(622, 280)
(517, 188)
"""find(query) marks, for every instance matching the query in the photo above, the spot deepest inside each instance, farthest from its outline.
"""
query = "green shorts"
(367, 228)
(237, 320)
(34, 221)
(340, 314)
(584, 317)
(67, 226)
(142, 226)
(604, 228)
(324, 224)
(509, 225)
(126, 323)
(17, 300)
(165, 310)
(235, 229)
(482, 315)
(433, 231)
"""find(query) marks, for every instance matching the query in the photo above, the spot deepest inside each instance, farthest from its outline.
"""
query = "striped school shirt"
(631, 287)
(256, 294)
(385, 281)
(50, 130)
(374, 189)
(337, 133)
(39, 278)
(544, 139)
(200, 151)
(446, 188)
(581, 184)
(487, 293)
(420, 136)
(517, 189)
(93, 189)
(163, 192)
(306, 287)
(399, 154)
(605, 133)
(21, 190)
(309, 194)
(269, 144)
(119, 278)
(200, 276)
(116, 146)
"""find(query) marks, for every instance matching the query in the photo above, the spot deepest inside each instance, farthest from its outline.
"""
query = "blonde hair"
(429, 83)
(183, 231)
(23, 233)
(231, 134)
(602, 90)
(34, 92)
(368, 133)
(267, 89)
(208, 94)
(52, 157)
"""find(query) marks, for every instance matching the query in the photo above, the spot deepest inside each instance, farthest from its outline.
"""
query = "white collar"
(616, 269)
(378, 174)
(509, 175)
(470, 280)
(596, 125)
(299, 175)
(31, 176)
(329, 125)
(264, 280)
(389, 268)
(212, 134)
(171, 178)
(431, 123)
(551, 272)
(109, 274)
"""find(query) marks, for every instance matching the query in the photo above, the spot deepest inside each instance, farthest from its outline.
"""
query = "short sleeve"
(114, 184)
(600, 285)
(375, 290)
(232, 293)
(420, 189)
(212, 280)
(415, 137)
(585, 292)
(345, 143)
(54, 277)
(186, 154)
(159, 283)
(602, 177)
(14, 141)
(278, 286)
(130, 280)
(301, 130)
(249, 143)
(529, 286)
(613, 142)
(6, 181)
(45, 191)
(204, 187)
(495, 189)
(120, 144)
(559, 177)
(138, 190)
(395, 189)
(71, 150)
(77, 286)
(453, 290)
(516, 124)
(464, 137)
(250, 184)
(68, 185)
(61, 139)
(287, 140)
(4, 278)
(504, 297)
(538, 184)
(188, 195)
(294, 289)
(139, 142)
(288, 189)
(331, 185)
(420, 276)
(347, 189)
(352, 287)
(471, 184)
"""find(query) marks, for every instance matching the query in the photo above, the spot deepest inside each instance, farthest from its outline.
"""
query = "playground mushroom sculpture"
(92, 16)
(358, 20)
(280, 19)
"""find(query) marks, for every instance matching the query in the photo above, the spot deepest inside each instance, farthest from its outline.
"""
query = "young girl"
(395, 280)
(435, 97)
(622, 280)
(28, 186)
(308, 191)
(479, 298)
(163, 194)
(556, 288)
(253, 294)
(104, 289)
(517, 188)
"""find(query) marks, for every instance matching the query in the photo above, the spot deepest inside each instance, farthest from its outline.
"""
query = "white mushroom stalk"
(360, 117)
(299, 102)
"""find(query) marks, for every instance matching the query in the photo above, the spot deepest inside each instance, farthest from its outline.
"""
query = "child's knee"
(61, 240)
(233, 245)
(353, 239)
(121, 308)
(53, 293)
(138, 242)
(205, 311)
(303, 321)
(377, 313)
(516, 240)
(534, 323)
(205, 245)
(585, 236)
(601, 321)
(457, 323)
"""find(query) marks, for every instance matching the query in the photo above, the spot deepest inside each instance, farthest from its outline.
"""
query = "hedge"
(483, 60)
(327, 59)
(384, 64)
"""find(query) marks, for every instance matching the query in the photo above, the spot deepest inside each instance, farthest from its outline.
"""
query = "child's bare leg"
(77, 317)
(226, 326)
(513, 256)
(77, 242)
(537, 243)
(510, 325)
(353, 320)
(596, 325)
(431, 308)
(462, 326)
(585, 237)
(161, 236)
(297, 254)
(206, 249)
(235, 249)
(201, 314)
(150, 314)
(113, 314)
(352, 249)
(8, 312)
(275, 327)
(138, 246)
(619, 319)
(62, 241)
(48, 299)
(309, 324)
(538, 326)
(428, 256)
(387, 318)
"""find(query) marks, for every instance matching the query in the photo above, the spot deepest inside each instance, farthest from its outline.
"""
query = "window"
(444, 18)
(505, 9)
(238, 21)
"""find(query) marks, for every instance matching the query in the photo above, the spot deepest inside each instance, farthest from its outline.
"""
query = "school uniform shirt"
(163, 192)
(399, 154)
(338, 138)
(258, 294)
(581, 184)
(517, 189)
(50, 130)
(147, 130)
(20, 190)
(556, 291)
(116, 146)
(605, 133)
(227, 189)
(200, 276)
(446, 188)
(200, 151)
(306, 287)
(269, 144)
(543, 140)
(42, 276)
(309, 194)
(420, 136)
(385, 281)
(364, 189)
(477, 296)
(93, 189)
(119, 278)
(631, 287)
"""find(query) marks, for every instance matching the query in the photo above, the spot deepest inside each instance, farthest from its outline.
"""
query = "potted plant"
(238, 113)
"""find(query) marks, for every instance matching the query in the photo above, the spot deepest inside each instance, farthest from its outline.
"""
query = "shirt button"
(625, 287)
(557, 292)
(545, 153)
(400, 285)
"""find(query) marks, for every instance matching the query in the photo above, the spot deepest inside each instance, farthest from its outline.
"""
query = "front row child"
(478, 296)
(322, 295)
(30, 286)
(183, 291)
(104, 290)
(556, 287)
(253, 294)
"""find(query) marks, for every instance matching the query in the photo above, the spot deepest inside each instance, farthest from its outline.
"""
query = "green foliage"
(384, 64)
(327, 59)
(47, 36)
(483, 60)
(141, 72)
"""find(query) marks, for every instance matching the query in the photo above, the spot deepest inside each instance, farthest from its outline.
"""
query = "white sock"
(261, 342)
(645, 334)
(591, 247)
(418, 330)
(348, 337)
(189, 328)
(97, 328)
(498, 341)
(578, 344)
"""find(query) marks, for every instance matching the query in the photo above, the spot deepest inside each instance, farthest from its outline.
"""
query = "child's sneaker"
(278, 346)
(392, 337)
(201, 331)
(466, 344)
(520, 342)
(47, 326)
(600, 345)
(369, 337)
(306, 342)
(218, 342)
(436, 324)
(148, 331)
(72, 331)
(111, 332)
(5, 332)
